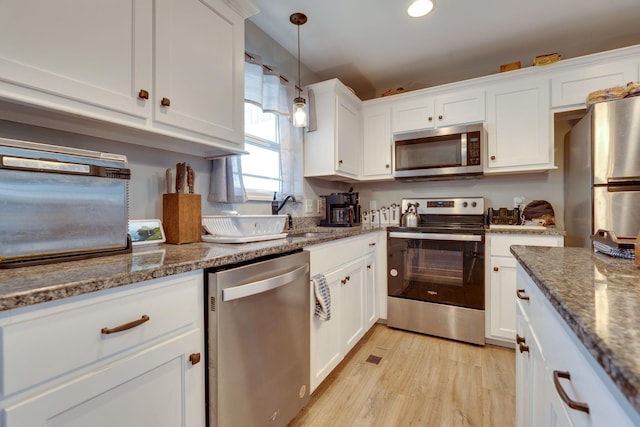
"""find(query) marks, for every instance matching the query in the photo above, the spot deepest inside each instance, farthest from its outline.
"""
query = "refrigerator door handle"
(621, 186)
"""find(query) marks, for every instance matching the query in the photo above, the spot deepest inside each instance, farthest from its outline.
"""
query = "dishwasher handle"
(260, 286)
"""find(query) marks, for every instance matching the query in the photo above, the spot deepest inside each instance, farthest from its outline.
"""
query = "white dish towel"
(323, 297)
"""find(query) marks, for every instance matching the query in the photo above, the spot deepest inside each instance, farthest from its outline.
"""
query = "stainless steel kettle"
(410, 217)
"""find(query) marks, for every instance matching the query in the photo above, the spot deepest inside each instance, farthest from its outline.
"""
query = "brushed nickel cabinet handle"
(194, 358)
(496, 269)
(493, 157)
(578, 406)
(520, 340)
(165, 102)
(143, 94)
(521, 295)
(126, 326)
(524, 348)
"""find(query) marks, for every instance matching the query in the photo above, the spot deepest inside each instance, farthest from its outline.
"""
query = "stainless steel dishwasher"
(258, 318)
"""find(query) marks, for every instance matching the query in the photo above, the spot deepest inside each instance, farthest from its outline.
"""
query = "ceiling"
(373, 46)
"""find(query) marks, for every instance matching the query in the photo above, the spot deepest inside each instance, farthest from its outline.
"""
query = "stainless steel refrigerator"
(602, 173)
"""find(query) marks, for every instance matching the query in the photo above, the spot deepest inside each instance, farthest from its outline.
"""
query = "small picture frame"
(146, 231)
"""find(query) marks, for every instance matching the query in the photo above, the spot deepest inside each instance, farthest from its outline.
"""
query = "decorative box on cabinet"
(156, 74)
(500, 282)
(65, 363)
(519, 127)
(333, 151)
(431, 111)
(345, 265)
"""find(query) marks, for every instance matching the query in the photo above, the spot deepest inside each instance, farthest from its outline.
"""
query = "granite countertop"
(25, 286)
(599, 298)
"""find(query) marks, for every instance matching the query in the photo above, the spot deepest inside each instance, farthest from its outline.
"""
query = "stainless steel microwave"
(439, 153)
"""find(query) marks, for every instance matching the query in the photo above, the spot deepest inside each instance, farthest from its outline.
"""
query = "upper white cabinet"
(573, 86)
(518, 127)
(333, 151)
(377, 142)
(427, 111)
(170, 69)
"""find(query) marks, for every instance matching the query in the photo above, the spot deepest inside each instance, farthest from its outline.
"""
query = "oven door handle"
(437, 236)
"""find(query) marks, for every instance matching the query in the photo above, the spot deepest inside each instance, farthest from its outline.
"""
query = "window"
(261, 168)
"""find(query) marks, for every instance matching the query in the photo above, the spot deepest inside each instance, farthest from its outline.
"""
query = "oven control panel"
(447, 206)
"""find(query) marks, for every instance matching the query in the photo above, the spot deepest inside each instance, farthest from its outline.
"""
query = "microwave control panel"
(473, 148)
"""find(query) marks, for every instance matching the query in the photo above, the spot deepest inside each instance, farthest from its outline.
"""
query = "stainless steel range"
(436, 270)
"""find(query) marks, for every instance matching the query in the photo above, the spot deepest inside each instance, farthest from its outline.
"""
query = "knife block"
(181, 217)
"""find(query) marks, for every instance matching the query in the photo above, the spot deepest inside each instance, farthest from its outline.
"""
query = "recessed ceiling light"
(420, 8)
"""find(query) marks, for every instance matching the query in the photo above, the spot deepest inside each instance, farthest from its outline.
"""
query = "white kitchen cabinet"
(519, 127)
(344, 265)
(428, 111)
(62, 368)
(554, 350)
(500, 322)
(570, 88)
(115, 64)
(334, 150)
(377, 142)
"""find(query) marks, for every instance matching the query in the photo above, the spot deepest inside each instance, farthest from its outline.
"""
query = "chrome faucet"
(274, 204)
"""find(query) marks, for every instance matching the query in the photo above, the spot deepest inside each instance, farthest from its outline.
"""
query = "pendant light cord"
(299, 81)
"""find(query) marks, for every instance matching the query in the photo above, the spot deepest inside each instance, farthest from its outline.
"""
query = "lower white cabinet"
(65, 363)
(500, 280)
(350, 269)
(550, 360)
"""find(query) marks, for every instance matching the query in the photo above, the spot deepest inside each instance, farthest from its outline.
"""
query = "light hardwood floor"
(420, 381)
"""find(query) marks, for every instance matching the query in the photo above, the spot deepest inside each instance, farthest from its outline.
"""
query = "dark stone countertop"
(25, 286)
(599, 298)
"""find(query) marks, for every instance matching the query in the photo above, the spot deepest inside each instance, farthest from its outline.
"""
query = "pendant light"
(299, 113)
(419, 8)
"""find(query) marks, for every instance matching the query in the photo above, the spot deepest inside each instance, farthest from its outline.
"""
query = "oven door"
(439, 268)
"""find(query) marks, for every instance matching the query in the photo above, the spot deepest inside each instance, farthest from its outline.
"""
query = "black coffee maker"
(341, 210)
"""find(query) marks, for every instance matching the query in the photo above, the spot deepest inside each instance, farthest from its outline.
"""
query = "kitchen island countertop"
(599, 299)
(25, 286)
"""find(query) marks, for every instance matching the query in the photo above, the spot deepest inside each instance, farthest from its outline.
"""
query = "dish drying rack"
(606, 242)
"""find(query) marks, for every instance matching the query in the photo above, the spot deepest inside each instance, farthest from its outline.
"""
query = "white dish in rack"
(243, 225)
(242, 239)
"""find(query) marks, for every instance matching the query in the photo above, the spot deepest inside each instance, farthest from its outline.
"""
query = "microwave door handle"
(463, 149)
(437, 236)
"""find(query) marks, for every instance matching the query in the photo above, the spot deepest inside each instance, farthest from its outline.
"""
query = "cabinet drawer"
(45, 343)
(499, 245)
(329, 256)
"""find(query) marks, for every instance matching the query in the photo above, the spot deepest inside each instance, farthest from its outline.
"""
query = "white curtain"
(226, 184)
(265, 88)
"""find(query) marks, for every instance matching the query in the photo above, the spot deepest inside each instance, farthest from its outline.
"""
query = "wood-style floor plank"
(420, 381)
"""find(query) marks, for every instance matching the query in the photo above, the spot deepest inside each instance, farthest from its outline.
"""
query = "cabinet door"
(370, 292)
(377, 142)
(348, 141)
(460, 108)
(90, 57)
(158, 386)
(325, 341)
(572, 87)
(199, 68)
(502, 304)
(518, 128)
(523, 396)
(413, 115)
(352, 311)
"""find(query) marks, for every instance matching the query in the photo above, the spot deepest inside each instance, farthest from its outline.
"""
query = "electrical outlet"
(518, 202)
(320, 210)
(309, 206)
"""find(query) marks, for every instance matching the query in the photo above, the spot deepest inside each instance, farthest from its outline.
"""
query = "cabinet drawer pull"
(372, 244)
(523, 348)
(143, 94)
(496, 269)
(493, 157)
(430, 118)
(578, 406)
(440, 117)
(520, 340)
(369, 266)
(521, 295)
(165, 102)
(124, 327)
(194, 358)
(387, 166)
